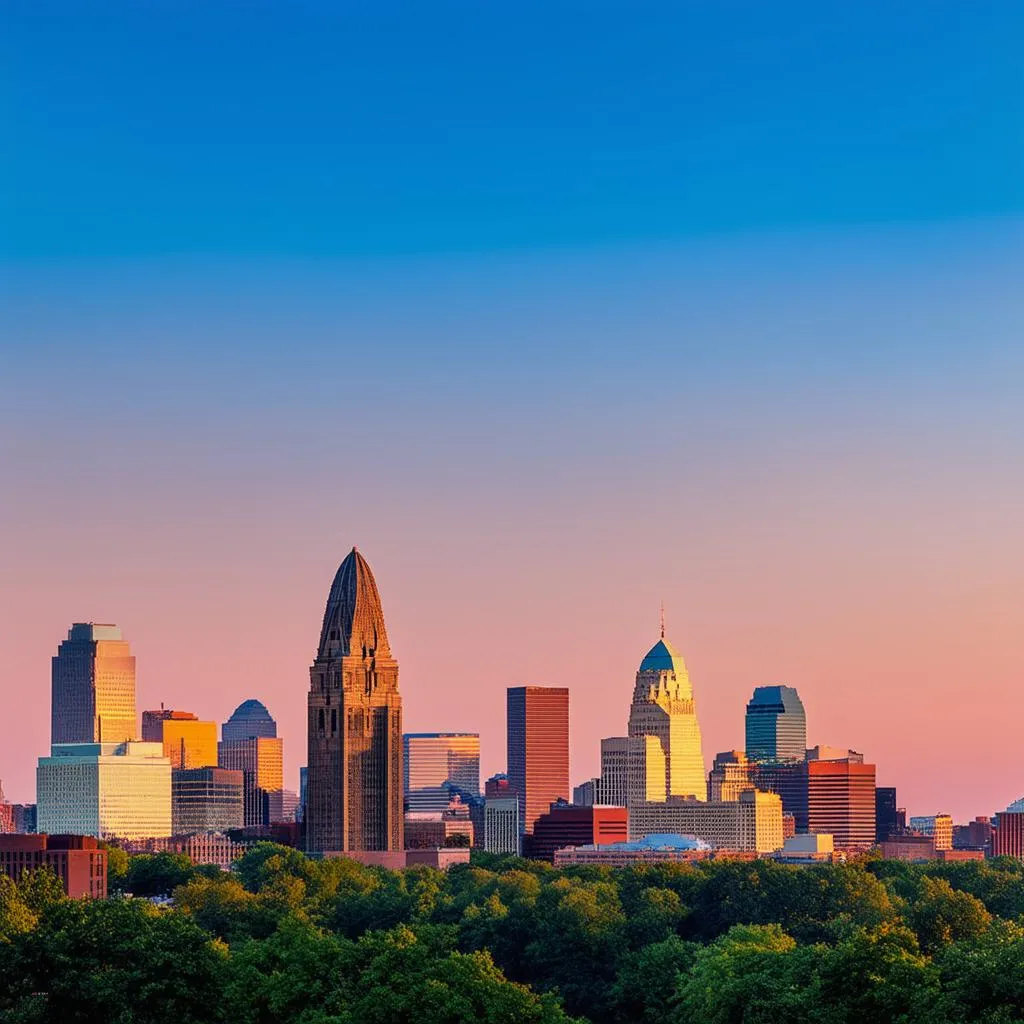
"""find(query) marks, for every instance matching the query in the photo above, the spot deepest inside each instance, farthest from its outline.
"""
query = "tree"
(941, 914)
(157, 874)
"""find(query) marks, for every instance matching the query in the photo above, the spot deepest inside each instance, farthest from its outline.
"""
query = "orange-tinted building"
(841, 801)
(188, 742)
(567, 825)
(78, 861)
(537, 724)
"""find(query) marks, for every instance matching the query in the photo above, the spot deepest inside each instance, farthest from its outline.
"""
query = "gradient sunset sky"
(557, 312)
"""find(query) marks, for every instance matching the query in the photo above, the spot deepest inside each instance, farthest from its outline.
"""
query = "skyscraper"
(437, 766)
(249, 744)
(841, 800)
(354, 786)
(729, 776)
(537, 723)
(250, 718)
(776, 725)
(663, 709)
(885, 812)
(188, 742)
(93, 687)
(206, 800)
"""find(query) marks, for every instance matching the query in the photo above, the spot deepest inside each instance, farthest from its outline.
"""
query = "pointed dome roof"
(663, 657)
(354, 621)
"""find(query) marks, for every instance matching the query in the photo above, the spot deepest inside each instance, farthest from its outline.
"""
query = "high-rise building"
(1008, 834)
(250, 718)
(93, 687)
(776, 726)
(501, 824)
(354, 787)
(938, 826)
(498, 787)
(885, 813)
(586, 793)
(789, 780)
(663, 708)
(566, 825)
(206, 800)
(729, 776)
(841, 800)
(439, 765)
(106, 790)
(260, 759)
(613, 785)
(537, 721)
(188, 742)
(300, 811)
(751, 824)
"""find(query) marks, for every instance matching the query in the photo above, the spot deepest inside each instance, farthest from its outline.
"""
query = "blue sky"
(347, 130)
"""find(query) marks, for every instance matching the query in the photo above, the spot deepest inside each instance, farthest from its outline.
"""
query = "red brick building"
(78, 861)
(567, 825)
(1008, 835)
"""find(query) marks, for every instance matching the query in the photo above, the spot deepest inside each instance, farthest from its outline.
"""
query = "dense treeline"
(284, 938)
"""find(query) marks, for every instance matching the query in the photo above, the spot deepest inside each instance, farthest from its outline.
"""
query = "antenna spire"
(662, 620)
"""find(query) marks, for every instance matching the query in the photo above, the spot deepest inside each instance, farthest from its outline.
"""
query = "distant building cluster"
(375, 793)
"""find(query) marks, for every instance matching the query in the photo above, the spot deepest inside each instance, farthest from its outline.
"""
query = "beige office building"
(729, 776)
(93, 687)
(260, 759)
(106, 790)
(753, 823)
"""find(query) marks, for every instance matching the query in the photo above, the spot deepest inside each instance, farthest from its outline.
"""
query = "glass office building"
(776, 726)
(439, 766)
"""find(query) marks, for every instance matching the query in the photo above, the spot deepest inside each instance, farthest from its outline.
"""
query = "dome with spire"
(250, 718)
(354, 621)
(663, 657)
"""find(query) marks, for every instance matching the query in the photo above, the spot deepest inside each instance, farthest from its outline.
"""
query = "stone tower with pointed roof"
(354, 784)
(665, 754)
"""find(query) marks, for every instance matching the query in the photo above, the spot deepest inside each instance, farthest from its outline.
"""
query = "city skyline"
(712, 309)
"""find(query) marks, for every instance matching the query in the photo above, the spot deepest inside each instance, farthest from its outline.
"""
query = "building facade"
(938, 826)
(78, 861)
(206, 800)
(105, 790)
(613, 784)
(354, 782)
(439, 765)
(566, 825)
(260, 759)
(652, 849)
(250, 718)
(663, 710)
(93, 687)
(501, 825)
(1008, 834)
(753, 823)
(188, 742)
(537, 722)
(885, 812)
(729, 776)
(775, 725)
(789, 780)
(841, 801)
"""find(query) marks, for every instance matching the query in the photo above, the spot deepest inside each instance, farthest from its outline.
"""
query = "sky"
(558, 313)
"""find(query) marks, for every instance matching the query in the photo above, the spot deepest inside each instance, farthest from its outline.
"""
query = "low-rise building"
(938, 826)
(78, 861)
(568, 825)
(652, 849)
(753, 823)
(808, 848)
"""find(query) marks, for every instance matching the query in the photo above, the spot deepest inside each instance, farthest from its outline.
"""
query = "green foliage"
(288, 938)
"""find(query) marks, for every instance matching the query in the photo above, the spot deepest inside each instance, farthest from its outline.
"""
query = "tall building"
(729, 776)
(663, 708)
(537, 722)
(751, 824)
(354, 782)
(776, 726)
(789, 780)
(106, 790)
(93, 687)
(885, 813)
(501, 824)
(260, 759)
(841, 800)
(439, 765)
(206, 800)
(250, 718)
(613, 785)
(188, 742)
